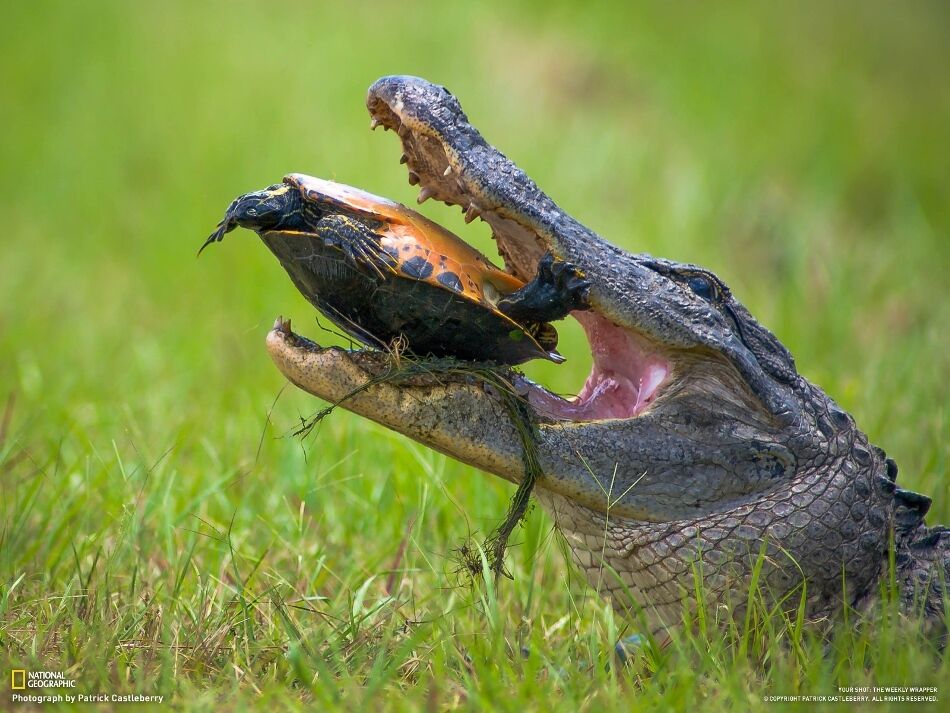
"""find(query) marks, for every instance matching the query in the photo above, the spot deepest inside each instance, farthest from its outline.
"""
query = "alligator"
(695, 448)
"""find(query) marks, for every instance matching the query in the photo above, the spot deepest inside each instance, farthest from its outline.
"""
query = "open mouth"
(628, 371)
(624, 380)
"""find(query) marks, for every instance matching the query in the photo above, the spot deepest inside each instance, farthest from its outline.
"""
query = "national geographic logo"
(47, 687)
(21, 679)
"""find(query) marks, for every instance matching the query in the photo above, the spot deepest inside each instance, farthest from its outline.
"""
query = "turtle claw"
(558, 289)
(227, 224)
(215, 237)
(568, 278)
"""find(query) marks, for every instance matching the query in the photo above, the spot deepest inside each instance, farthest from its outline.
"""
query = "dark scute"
(417, 267)
(932, 539)
(839, 417)
(915, 501)
(907, 518)
(861, 455)
(450, 280)
(861, 488)
(870, 541)
(876, 517)
(891, 469)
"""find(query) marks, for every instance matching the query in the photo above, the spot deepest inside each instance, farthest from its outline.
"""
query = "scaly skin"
(735, 459)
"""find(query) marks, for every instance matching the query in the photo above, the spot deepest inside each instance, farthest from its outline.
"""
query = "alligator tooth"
(473, 212)
(373, 123)
(413, 178)
(404, 159)
(282, 325)
(448, 170)
(424, 195)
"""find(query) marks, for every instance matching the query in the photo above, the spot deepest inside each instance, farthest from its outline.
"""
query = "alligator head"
(694, 438)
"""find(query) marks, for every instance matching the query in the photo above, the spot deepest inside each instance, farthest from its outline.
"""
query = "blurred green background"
(798, 149)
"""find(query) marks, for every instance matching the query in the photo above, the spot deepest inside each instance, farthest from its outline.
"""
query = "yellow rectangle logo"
(18, 674)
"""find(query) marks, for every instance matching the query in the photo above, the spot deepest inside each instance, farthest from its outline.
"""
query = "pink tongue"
(622, 382)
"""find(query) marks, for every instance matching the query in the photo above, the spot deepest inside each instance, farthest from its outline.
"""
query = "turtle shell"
(423, 250)
(434, 289)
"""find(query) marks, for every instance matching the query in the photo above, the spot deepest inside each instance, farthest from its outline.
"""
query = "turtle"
(383, 272)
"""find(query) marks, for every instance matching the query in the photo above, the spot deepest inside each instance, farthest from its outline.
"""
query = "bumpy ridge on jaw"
(441, 175)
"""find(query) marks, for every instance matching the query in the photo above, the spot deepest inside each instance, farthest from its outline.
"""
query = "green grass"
(162, 532)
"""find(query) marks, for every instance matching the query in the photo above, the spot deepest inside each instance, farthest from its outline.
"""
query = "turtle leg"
(358, 242)
(558, 288)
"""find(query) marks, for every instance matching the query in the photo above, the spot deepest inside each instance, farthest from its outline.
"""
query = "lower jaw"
(624, 380)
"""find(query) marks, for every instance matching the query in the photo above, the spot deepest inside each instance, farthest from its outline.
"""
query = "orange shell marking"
(410, 236)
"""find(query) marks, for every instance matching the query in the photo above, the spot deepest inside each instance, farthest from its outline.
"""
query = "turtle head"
(268, 209)
(299, 204)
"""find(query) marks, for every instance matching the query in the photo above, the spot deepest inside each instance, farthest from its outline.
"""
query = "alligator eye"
(702, 287)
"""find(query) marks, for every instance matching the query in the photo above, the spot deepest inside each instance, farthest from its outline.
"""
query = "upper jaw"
(452, 163)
